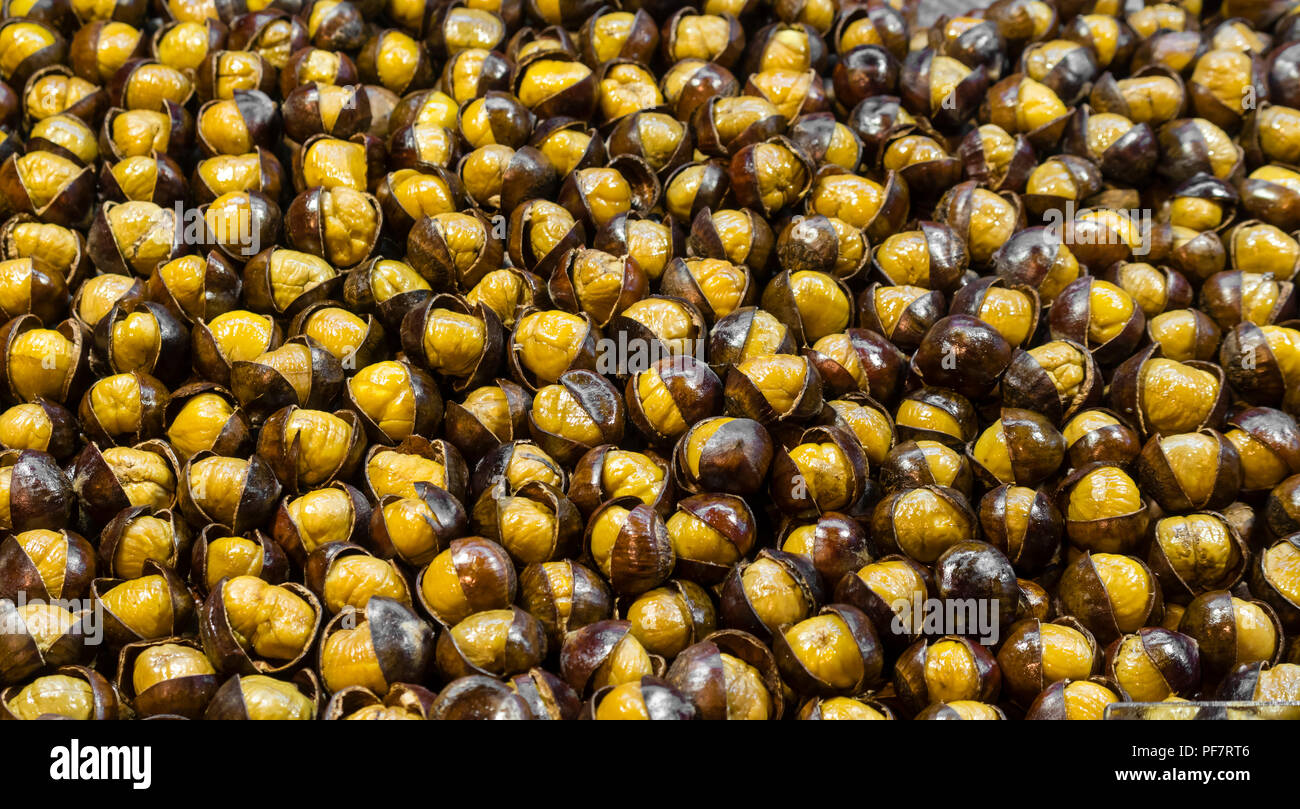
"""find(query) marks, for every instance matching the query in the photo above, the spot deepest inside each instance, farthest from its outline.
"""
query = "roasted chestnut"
(564, 596)
(1230, 631)
(1154, 664)
(335, 513)
(1038, 653)
(1110, 594)
(155, 605)
(729, 675)
(259, 697)
(947, 669)
(834, 653)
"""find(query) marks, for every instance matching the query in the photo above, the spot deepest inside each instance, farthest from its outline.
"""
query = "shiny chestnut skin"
(400, 643)
(974, 569)
(837, 544)
(100, 492)
(864, 72)
(1258, 682)
(564, 596)
(594, 479)
(106, 702)
(1057, 379)
(1270, 582)
(184, 694)
(1073, 318)
(1128, 393)
(738, 610)
(1224, 639)
(122, 551)
(1034, 449)
(1004, 508)
(1083, 594)
(416, 331)
(826, 472)
(936, 414)
(121, 629)
(745, 398)
(1037, 653)
(862, 648)
(700, 673)
(40, 494)
(1175, 657)
(29, 648)
(478, 696)
(973, 673)
(232, 703)
(1178, 488)
(588, 656)
(734, 458)
(640, 555)
(693, 387)
(880, 364)
(168, 357)
(214, 555)
(258, 492)
(962, 353)
(1038, 256)
(730, 525)
(1282, 507)
(21, 570)
(910, 328)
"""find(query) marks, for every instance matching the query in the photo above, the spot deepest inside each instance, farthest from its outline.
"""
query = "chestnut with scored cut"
(1220, 554)
(1189, 471)
(139, 534)
(1038, 653)
(251, 626)
(300, 372)
(825, 471)
(776, 588)
(472, 575)
(216, 555)
(962, 353)
(141, 337)
(1167, 396)
(155, 605)
(834, 653)
(337, 512)
(498, 643)
(40, 637)
(1230, 632)
(1104, 509)
(1024, 524)
(729, 675)
(44, 565)
(238, 493)
(1021, 447)
(402, 702)
(1110, 594)
(629, 543)
(169, 676)
(260, 697)
(72, 692)
(564, 596)
(946, 669)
